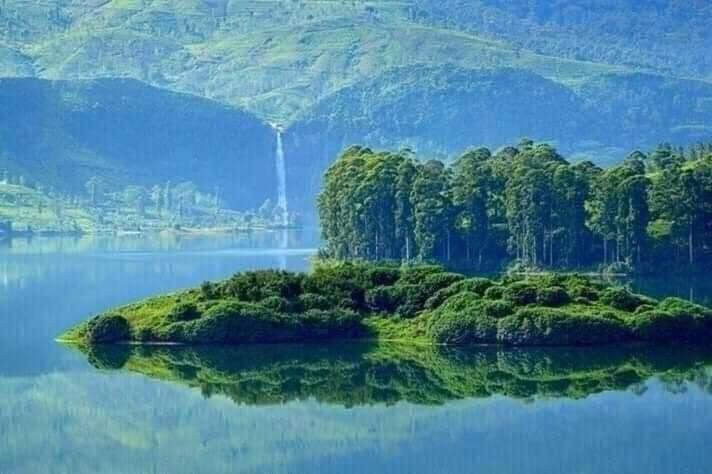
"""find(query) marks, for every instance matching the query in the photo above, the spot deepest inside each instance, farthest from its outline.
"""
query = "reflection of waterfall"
(281, 180)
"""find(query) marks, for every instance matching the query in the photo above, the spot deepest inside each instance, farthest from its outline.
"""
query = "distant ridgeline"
(524, 203)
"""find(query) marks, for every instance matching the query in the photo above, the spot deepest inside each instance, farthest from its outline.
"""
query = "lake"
(347, 408)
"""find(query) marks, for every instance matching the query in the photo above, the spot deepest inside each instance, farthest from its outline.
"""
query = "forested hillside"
(524, 203)
(118, 132)
(593, 77)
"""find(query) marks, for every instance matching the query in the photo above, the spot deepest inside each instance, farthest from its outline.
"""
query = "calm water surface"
(299, 409)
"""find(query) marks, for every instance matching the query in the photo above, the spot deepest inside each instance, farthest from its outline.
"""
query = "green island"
(360, 374)
(416, 304)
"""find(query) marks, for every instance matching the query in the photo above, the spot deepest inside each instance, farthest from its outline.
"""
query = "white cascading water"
(282, 204)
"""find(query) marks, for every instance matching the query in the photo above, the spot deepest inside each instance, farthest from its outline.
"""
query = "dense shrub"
(644, 308)
(416, 274)
(108, 328)
(551, 326)
(183, 312)
(497, 309)
(464, 318)
(473, 285)
(309, 301)
(277, 304)
(678, 306)
(383, 275)
(661, 326)
(383, 299)
(521, 293)
(621, 298)
(411, 299)
(495, 292)
(258, 285)
(338, 283)
(208, 290)
(552, 296)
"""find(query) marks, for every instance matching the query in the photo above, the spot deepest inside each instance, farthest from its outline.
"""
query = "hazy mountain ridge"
(62, 133)
(595, 77)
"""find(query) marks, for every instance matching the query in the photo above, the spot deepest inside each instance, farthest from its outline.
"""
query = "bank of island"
(415, 303)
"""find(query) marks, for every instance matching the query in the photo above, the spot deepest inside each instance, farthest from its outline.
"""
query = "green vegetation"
(29, 209)
(523, 203)
(417, 304)
(360, 374)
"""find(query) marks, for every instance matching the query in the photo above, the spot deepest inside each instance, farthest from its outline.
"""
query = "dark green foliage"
(549, 326)
(258, 285)
(383, 299)
(108, 328)
(661, 326)
(342, 301)
(525, 203)
(208, 290)
(621, 298)
(277, 304)
(462, 320)
(416, 274)
(495, 292)
(309, 301)
(498, 308)
(552, 296)
(183, 312)
(678, 306)
(475, 285)
(521, 293)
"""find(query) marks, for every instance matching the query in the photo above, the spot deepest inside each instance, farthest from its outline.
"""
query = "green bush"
(661, 326)
(521, 293)
(382, 299)
(621, 298)
(383, 275)
(553, 296)
(107, 329)
(309, 301)
(551, 326)
(416, 274)
(208, 290)
(277, 304)
(497, 309)
(474, 285)
(411, 299)
(258, 285)
(678, 306)
(183, 312)
(644, 308)
(495, 292)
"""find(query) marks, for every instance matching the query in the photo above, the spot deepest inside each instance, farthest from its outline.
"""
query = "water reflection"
(357, 374)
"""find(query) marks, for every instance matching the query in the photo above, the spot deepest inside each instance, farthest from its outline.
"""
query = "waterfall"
(281, 179)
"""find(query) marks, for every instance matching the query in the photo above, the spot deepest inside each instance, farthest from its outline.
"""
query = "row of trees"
(524, 202)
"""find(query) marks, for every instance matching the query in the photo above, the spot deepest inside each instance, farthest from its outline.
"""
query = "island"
(412, 303)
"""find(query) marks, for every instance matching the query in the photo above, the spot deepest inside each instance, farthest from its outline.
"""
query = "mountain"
(596, 77)
(277, 58)
(441, 111)
(63, 133)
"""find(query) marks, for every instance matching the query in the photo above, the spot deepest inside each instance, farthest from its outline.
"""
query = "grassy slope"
(27, 207)
(275, 58)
